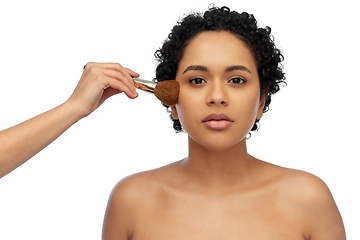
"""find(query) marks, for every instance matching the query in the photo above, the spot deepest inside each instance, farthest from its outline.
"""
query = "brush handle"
(145, 85)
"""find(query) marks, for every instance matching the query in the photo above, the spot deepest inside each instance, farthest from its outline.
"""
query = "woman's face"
(219, 96)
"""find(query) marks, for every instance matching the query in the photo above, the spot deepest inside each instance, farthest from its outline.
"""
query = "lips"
(217, 117)
(218, 121)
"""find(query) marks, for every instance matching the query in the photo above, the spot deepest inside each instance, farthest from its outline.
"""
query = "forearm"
(98, 82)
(23, 141)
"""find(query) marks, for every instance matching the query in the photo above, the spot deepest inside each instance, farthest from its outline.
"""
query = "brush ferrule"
(145, 85)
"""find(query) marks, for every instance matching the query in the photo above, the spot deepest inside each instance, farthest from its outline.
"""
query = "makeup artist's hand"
(98, 82)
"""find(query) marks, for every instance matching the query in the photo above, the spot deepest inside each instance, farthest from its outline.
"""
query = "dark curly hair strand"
(243, 25)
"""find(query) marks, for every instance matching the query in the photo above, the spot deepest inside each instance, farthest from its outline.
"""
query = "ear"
(174, 113)
(262, 105)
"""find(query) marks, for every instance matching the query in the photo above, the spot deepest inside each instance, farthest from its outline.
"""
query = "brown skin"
(276, 203)
(219, 191)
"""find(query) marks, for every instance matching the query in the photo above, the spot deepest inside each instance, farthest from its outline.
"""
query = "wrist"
(73, 112)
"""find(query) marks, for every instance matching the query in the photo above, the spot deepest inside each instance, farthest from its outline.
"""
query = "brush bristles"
(167, 92)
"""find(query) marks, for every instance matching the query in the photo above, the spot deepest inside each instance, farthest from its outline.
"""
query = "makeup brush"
(166, 91)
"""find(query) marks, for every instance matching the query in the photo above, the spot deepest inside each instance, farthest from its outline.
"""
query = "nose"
(217, 94)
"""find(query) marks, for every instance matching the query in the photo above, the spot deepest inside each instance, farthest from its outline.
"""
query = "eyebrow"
(196, 68)
(205, 69)
(237, 67)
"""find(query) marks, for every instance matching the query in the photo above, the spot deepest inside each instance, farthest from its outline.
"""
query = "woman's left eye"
(236, 80)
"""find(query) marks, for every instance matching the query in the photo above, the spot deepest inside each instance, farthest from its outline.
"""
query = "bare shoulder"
(301, 183)
(295, 182)
(130, 198)
(139, 184)
(306, 189)
(134, 189)
(309, 198)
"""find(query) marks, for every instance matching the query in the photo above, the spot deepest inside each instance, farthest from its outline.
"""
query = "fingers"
(122, 77)
(119, 85)
(132, 73)
(119, 73)
(100, 81)
(113, 66)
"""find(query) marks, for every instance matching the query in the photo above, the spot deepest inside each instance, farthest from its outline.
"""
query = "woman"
(228, 69)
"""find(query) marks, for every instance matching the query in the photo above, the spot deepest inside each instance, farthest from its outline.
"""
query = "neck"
(218, 170)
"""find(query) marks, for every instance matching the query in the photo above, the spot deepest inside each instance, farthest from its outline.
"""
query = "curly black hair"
(243, 25)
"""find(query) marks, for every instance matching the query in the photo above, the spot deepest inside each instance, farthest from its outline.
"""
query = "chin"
(219, 144)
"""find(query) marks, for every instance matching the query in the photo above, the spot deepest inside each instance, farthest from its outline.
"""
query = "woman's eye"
(237, 80)
(197, 81)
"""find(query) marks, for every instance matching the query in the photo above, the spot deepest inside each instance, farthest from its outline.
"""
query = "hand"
(100, 81)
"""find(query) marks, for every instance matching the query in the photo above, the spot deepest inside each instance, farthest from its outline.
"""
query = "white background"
(61, 193)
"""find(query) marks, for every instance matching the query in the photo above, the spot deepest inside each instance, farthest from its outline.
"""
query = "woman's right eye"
(197, 81)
